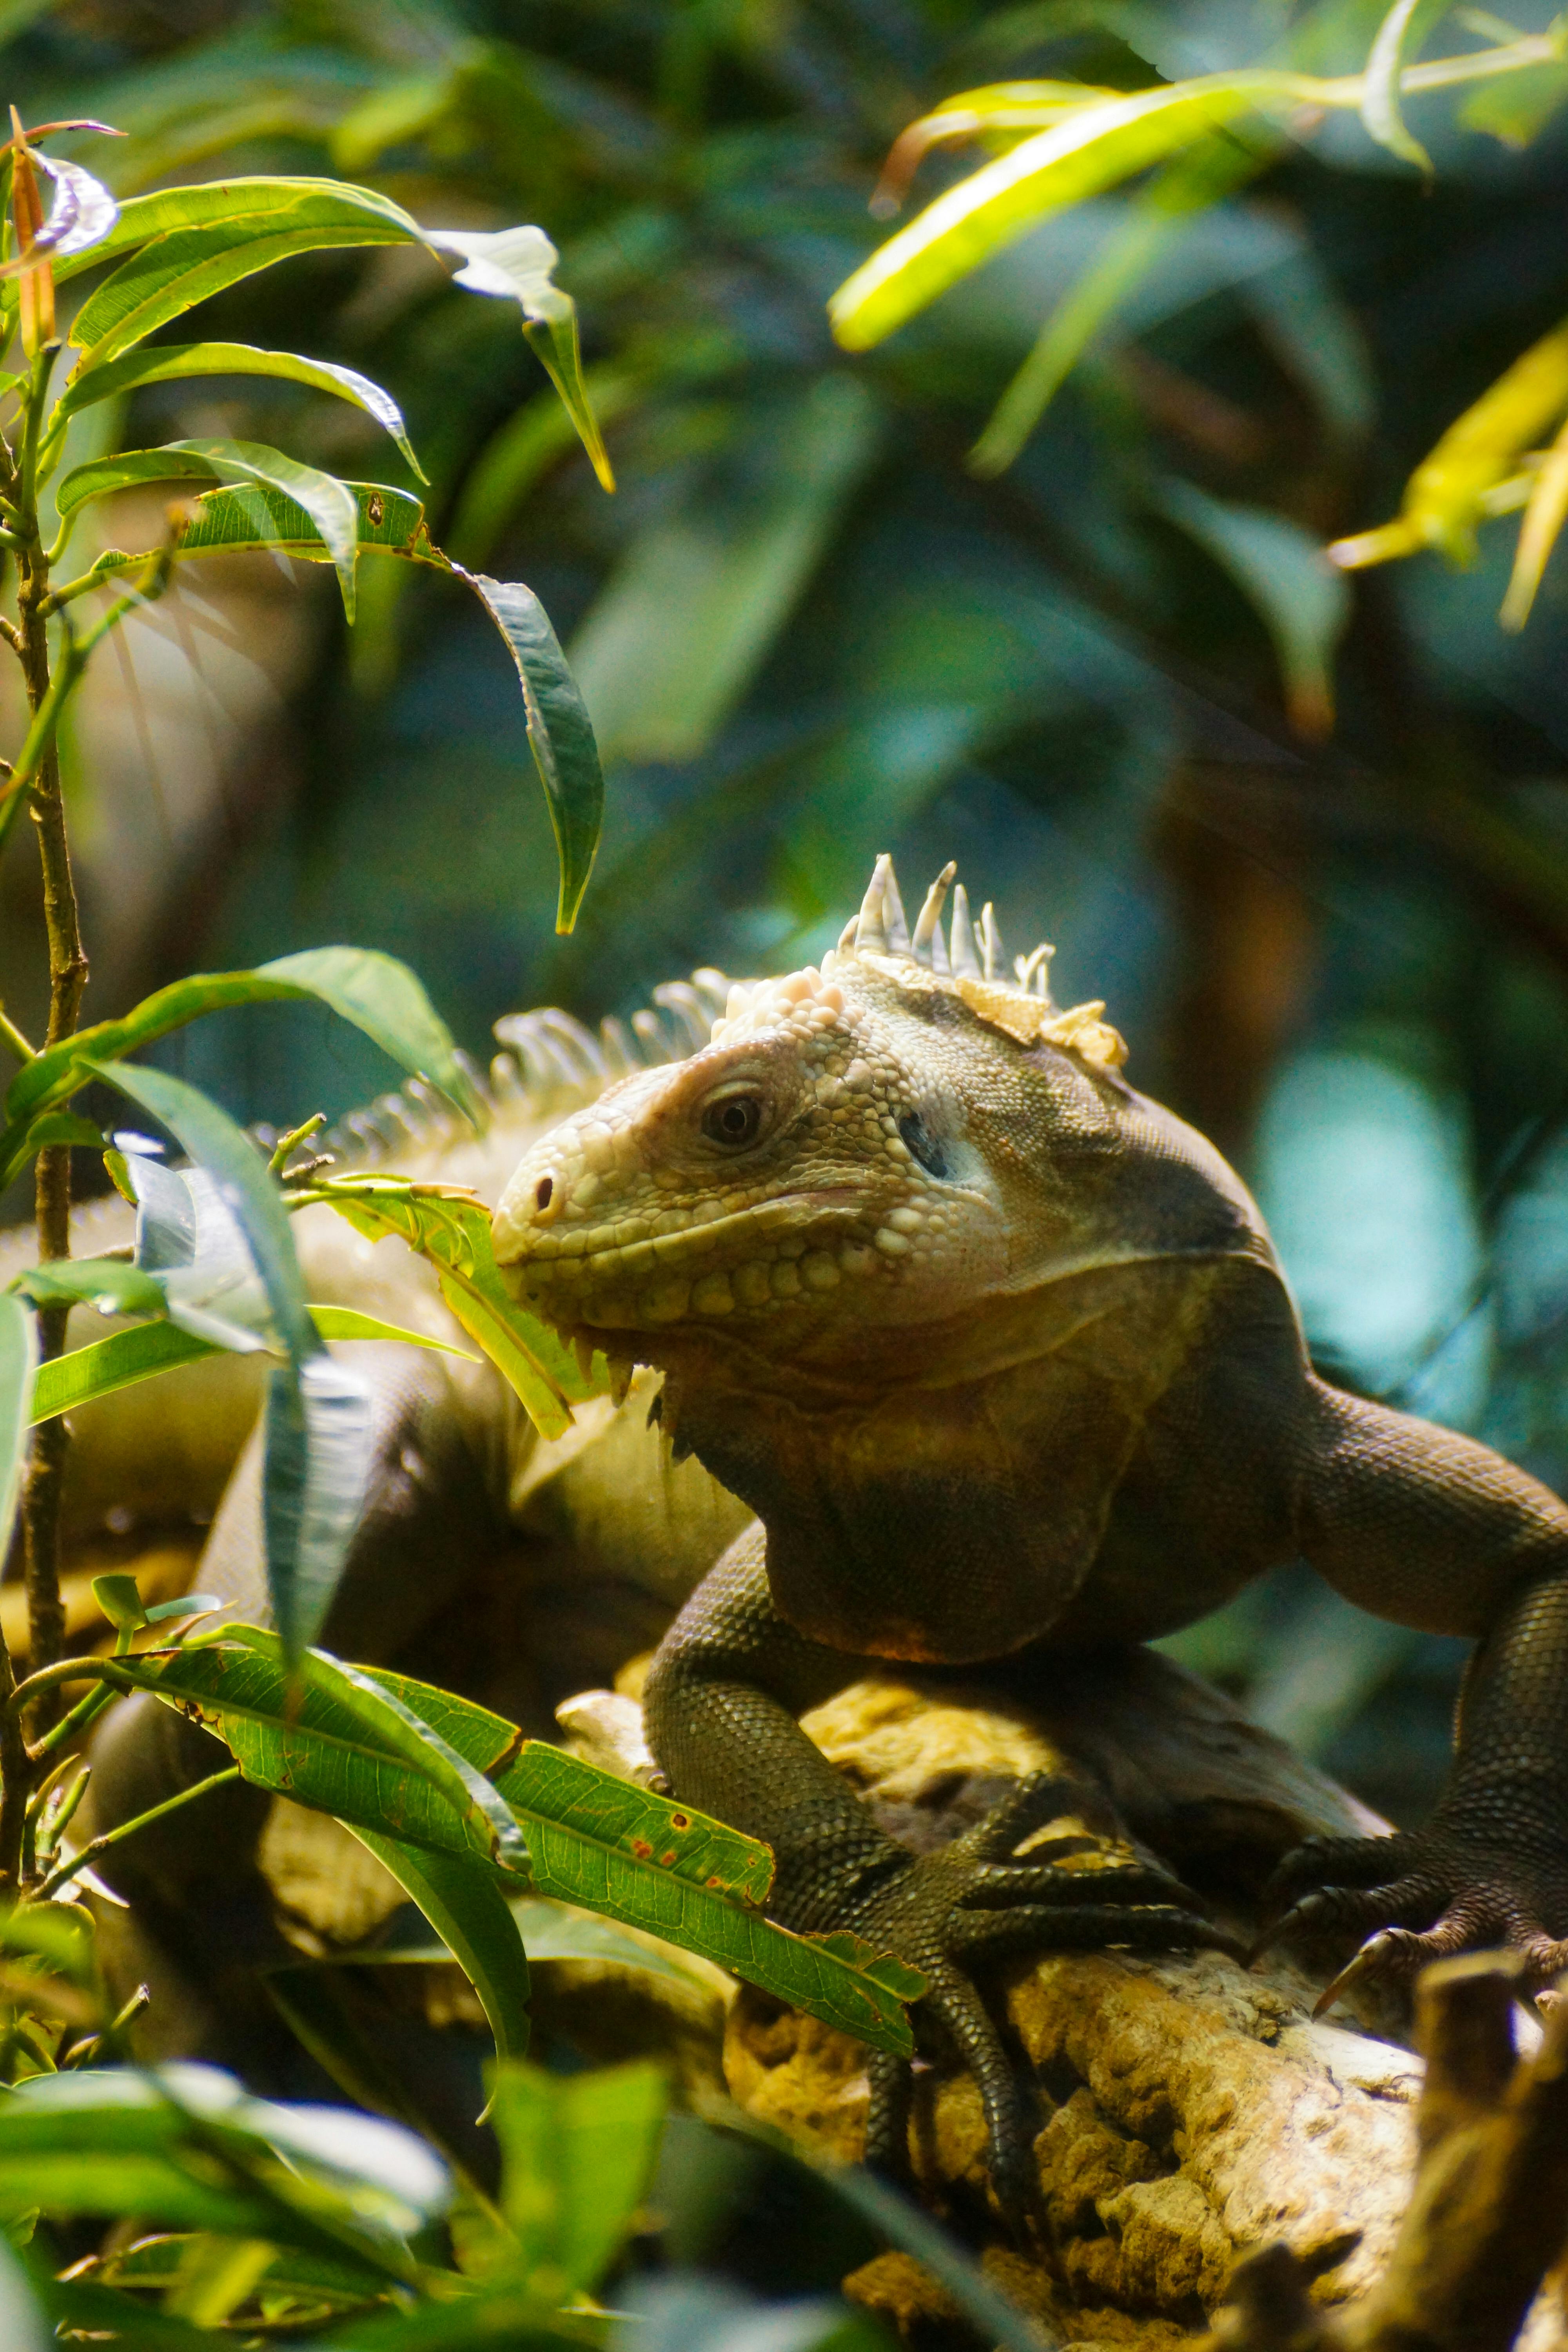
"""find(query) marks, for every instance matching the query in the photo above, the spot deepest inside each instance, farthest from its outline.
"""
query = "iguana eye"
(733, 1120)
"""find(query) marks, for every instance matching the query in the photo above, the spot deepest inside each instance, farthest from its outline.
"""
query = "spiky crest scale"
(969, 963)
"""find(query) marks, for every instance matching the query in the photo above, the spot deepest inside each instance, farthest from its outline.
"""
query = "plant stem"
(44, 1494)
(96, 1846)
(14, 1039)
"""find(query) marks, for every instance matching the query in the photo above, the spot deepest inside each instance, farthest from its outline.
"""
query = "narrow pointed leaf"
(1380, 110)
(375, 992)
(1446, 495)
(166, 362)
(1094, 147)
(186, 266)
(612, 1846)
(517, 264)
(452, 1229)
(319, 1441)
(126, 1357)
(466, 1906)
(560, 732)
(1538, 533)
(109, 1284)
(248, 209)
(247, 1189)
(331, 505)
(18, 1356)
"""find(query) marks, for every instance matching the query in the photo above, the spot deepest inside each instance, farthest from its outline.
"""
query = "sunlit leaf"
(109, 1284)
(1002, 112)
(1517, 108)
(126, 1357)
(166, 362)
(517, 264)
(1091, 149)
(375, 992)
(1185, 189)
(18, 1356)
(452, 1229)
(331, 505)
(1284, 574)
(1538, 533)
(212, 239)
(1446, 496)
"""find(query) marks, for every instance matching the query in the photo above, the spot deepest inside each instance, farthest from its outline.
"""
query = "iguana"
(999, 1352)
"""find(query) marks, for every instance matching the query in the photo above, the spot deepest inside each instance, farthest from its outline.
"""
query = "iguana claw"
(977, 1900)
(1421, 1896)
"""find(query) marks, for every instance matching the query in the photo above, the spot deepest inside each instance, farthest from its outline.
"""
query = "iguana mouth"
(576, 1278)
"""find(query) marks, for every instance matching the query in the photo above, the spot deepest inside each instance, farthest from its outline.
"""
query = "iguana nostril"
(543, 1191)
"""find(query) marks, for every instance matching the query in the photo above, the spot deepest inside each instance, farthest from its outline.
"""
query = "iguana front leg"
(1419, 1524)
(726, 1685)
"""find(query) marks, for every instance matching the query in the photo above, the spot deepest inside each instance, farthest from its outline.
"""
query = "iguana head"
(877, 1144)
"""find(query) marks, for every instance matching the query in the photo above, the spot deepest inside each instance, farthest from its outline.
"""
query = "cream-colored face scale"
(822, 1139)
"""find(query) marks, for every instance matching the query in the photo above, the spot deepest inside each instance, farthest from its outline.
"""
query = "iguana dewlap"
(1000, 1353)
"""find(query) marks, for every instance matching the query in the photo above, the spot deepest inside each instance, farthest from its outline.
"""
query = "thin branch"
(88, 1855)
(14, 1039)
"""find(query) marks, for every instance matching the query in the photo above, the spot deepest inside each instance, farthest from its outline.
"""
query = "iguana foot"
(1424, 1895)
(978, 1900)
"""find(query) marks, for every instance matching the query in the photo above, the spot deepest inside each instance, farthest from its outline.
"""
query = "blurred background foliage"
(1105, 678)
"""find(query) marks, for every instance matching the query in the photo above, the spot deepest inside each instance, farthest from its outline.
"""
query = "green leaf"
(174, 271)
(452, 1229)
(319, 1441)
(186, 2147)
(560, 733)
(330, 1737)
(318, 1414)
(679, 631)
(376, 992)
(468, 1908)
(577, 2154)
(244, 1187)
(1283, 572)
(111, 1285)
(63, 1127)
(18, 1356)
(1092, 149)
(1400, 29)
(126, 1357)
(516, 264)
(23, 2327)
(245, 209)
(391, 522)
(167, 361)
(1517, 109)
(615, 1847)
(331, 505)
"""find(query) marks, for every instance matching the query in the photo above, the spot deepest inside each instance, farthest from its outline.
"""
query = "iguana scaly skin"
(999, 1352)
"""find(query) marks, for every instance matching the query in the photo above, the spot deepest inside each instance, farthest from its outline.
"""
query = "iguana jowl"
(1000, 1353)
